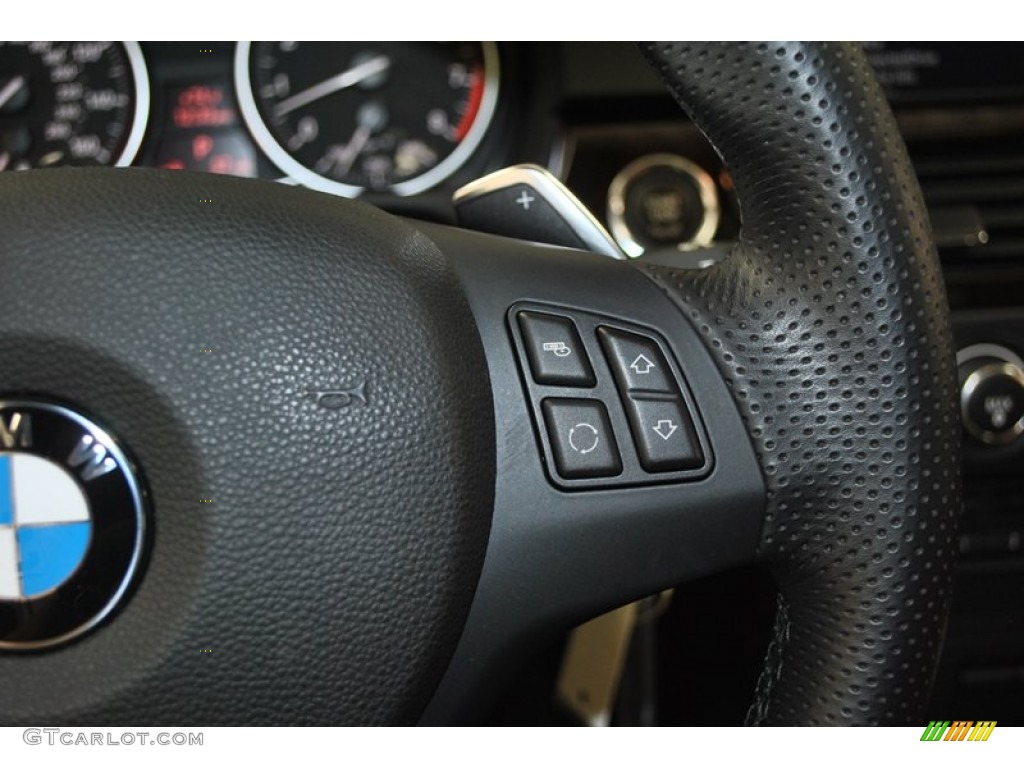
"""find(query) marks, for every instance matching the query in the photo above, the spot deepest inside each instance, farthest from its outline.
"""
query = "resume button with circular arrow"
(582, 441)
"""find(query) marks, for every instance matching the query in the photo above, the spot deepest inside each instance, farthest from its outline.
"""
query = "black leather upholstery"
(830, 324)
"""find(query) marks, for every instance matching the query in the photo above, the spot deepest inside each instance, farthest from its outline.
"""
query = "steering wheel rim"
(830, 200)
(817, 360)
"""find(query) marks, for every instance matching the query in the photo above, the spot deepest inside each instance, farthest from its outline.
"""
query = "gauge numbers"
(71, 104)
(346, 117)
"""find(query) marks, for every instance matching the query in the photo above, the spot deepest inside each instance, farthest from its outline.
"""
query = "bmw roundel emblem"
(72, 524)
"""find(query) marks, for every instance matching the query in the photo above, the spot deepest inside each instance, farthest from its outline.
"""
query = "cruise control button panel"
(609, 399)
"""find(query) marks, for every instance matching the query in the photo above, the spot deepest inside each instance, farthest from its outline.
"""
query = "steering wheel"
(384, 553)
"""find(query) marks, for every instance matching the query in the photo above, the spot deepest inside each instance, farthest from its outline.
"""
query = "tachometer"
(71, 104)
(344, 117)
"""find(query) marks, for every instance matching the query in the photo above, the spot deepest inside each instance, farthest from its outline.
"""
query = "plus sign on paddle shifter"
(528, 203)
(525, 199)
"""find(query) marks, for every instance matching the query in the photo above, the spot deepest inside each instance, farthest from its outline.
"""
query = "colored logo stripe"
(959, 730)
(982, 730)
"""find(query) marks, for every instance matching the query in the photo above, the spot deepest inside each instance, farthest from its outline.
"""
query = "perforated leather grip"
(830, 324)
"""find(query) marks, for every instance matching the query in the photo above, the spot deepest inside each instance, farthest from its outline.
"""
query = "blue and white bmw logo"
(72, 524)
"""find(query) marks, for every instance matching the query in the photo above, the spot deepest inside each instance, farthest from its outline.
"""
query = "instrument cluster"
(384, 120)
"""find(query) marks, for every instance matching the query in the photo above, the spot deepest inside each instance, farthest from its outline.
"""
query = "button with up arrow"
(642, 365)
(636, 361)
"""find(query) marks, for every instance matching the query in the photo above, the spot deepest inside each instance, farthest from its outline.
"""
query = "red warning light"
(222, 164)
(201, 106)
(202, 145)
(200, 96)
(227, 152)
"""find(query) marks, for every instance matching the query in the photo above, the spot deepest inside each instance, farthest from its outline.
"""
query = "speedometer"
(71, 104)
(344, 117)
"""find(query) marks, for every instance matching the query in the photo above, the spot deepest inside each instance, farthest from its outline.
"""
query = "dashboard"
(399, 125)
(403, 126)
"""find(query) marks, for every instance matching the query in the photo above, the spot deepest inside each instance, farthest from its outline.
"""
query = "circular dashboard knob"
(662, 200)
(992, 401)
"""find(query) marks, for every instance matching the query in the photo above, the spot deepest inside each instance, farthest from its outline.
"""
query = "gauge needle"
(348, 155)
(346, 79)
(12, 87)
(344, 156)
(371, 118)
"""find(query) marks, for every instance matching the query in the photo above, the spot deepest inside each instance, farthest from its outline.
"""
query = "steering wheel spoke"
(568, 543)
